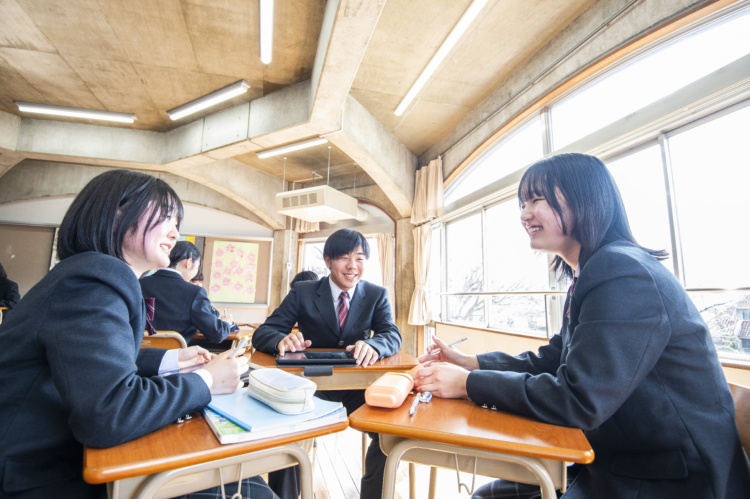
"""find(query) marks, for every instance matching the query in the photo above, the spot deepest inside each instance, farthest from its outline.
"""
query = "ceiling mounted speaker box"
(316, 204)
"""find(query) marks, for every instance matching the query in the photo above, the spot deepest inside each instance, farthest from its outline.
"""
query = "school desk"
(186, 457)
(459, 434)
(343, 377)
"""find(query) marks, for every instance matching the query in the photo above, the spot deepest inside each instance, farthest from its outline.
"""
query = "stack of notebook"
(237, 417)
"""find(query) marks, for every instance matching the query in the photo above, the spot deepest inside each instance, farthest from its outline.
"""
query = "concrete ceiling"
(339, 69)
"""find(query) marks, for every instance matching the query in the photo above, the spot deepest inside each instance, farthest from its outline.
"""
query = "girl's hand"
(448, 354)
(226, 372)
(443, 380)
(192, 356)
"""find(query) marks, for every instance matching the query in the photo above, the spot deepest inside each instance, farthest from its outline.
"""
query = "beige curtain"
(419, 311)
(300, 226)
(428, 193)
(387, 255)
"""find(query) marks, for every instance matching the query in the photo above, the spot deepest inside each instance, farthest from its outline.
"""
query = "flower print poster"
(234, 270)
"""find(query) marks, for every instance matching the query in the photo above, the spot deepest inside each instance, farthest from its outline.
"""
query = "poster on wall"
(234, 271)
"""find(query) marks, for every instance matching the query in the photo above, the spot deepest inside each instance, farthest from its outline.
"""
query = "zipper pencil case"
(283, 392)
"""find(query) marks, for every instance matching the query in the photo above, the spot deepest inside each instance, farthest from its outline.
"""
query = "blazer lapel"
(356, 307)
(324, 304)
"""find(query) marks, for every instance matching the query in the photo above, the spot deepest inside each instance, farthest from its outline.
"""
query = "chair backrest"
(164, 339)
(741, 396)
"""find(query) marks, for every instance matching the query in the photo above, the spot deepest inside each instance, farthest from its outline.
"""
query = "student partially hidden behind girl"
(634, 365)
(71, 369)
(181, 306)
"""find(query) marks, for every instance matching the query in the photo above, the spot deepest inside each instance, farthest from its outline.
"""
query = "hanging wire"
(329, 165)
(283, 180)
(355, 180)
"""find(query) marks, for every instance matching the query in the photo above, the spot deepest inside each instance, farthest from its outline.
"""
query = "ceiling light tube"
(209, 100)
(266, 31)
(455, 34)
(76, 112)
(292, 147)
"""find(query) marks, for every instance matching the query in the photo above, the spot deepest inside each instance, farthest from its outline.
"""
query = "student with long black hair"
(179, 305)
(634, 364)
(71, 368)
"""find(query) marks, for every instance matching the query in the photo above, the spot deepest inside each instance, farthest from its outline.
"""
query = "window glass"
(711, 167)
(648, 78)
(640, 179)
(513, 266)
(728, 318)
(464, 268)
(520, 148)
(372, 272)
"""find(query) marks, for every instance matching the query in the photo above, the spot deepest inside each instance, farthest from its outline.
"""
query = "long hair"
(110, 207)
(594, 201)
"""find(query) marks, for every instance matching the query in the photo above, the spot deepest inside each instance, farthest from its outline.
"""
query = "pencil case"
(281, 391)
(389, 390)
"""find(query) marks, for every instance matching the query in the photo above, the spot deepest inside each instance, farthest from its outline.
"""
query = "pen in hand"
(438, 350)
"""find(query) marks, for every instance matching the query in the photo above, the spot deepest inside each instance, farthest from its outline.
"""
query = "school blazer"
(73, 374)
(636, 369)
(310, 304)
(183, 307)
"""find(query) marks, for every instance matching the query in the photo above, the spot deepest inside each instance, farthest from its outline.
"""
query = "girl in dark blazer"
(9, 295)
(634, 365)
(71, 367)
(181, 306)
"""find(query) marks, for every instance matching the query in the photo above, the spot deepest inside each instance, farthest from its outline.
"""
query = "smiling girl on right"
(634, 365)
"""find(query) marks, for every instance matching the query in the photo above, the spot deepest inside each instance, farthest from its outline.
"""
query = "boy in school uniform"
(340, 311)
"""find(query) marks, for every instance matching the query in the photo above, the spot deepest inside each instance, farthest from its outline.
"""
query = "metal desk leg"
(394, 457)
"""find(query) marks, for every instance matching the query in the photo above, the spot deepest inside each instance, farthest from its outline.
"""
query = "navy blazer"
(183, 307)
(310, 305)
(635, 367)
(72, 373)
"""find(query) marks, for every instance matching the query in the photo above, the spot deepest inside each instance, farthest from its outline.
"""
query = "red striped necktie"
(343, 308)
(150, 305)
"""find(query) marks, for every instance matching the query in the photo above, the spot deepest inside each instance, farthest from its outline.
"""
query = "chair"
(164, 339)
(741, 396)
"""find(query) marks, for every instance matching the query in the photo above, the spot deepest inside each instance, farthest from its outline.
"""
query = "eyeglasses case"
(283, 392)
(389, 390)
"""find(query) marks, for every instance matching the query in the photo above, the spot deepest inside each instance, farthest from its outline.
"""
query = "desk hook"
(473, 477)
(238, 494)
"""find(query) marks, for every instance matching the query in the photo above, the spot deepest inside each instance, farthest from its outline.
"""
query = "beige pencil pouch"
(389, 390)
(283, 392)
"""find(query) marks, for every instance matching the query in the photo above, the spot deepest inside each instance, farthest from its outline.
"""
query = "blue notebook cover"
(254, 415)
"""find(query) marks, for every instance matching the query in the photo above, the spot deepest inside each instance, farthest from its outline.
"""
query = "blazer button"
(341, 343)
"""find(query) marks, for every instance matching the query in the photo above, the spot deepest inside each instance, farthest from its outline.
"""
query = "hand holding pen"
(437, 351)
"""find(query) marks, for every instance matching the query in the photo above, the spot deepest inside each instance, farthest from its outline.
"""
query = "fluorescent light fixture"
(292, 147)
(209, 100)
(458, 30)
(76, 112)
(266, 31)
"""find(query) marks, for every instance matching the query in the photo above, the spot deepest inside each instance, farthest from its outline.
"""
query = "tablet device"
(318, 357)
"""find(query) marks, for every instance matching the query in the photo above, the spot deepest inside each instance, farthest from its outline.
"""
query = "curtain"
(387, 254)
(428, 192)
(300, 226)
(419, 311)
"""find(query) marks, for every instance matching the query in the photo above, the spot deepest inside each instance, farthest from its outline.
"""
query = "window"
(650, 77)
(464, 264)
(519, 149)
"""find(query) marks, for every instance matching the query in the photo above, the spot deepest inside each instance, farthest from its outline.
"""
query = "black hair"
(305, 275)
(343, 242)
(198, 276)
(592, 196)
(182, 251)
(3, 273)
(110, 207)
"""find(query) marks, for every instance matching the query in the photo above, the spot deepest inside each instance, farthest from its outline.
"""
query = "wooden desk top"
(233, 335)
(399, 361)
(463, 423)
(175, 446)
